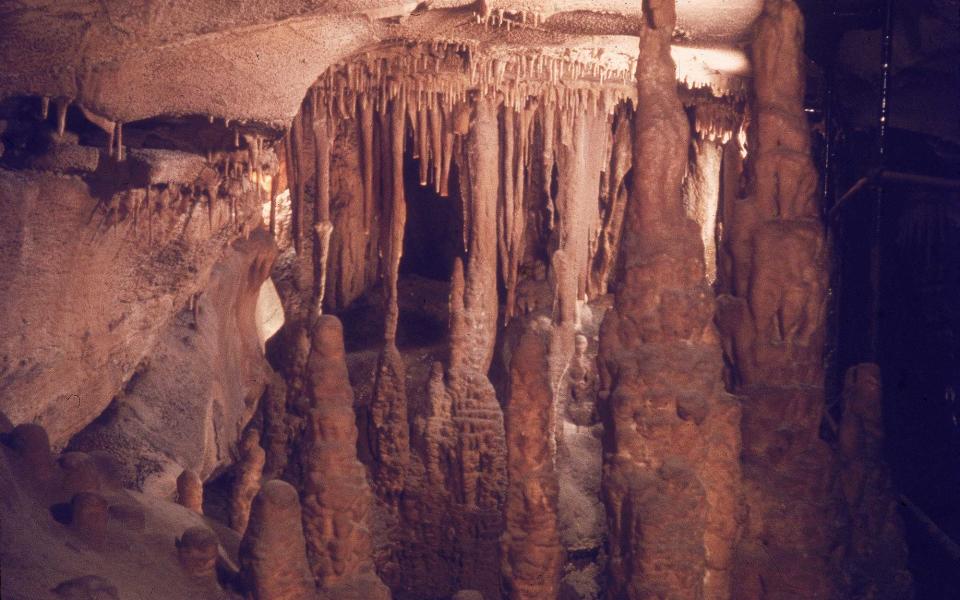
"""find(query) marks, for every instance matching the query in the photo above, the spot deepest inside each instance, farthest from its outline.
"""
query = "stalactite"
(366, 163)
(612, 212)
(702, 194)
(62, 105)
(322, 225)
(505, 206)
(423, 143)
(296, 180)
(548, 124)
(448, 137)
(397, 210)
(480, 295)
(436, 144)
(671, 434)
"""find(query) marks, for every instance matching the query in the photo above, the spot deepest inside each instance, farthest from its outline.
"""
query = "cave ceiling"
(251, 61)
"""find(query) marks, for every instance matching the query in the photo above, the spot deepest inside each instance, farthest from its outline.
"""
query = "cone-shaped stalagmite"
(877, 553)
(272, 553)
(532, 554)
(336, 497)
(773, 323)
(671, 474)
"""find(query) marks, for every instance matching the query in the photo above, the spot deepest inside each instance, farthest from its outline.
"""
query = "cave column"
(671, 433)
(773, 325)
(480, 190)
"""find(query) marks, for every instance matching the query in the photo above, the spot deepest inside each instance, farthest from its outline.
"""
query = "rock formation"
(773, 322)
(497, 301)
(336, 497)
(246, 480)
(531, 542)
(878, 555)
(190, 491)
(273, 552)
(197, 551)
(671, 474)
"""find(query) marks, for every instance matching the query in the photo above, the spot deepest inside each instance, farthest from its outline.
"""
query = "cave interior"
(493, 299)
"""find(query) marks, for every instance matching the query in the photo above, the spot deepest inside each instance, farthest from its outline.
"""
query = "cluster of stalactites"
(450, 71)
(226, 176)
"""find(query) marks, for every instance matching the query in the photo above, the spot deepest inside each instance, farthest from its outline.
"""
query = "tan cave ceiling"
(127, 60)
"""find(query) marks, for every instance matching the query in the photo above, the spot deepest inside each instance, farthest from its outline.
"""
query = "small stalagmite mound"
(273, 556)
(197, 551)
(246, 481)
(190, 491)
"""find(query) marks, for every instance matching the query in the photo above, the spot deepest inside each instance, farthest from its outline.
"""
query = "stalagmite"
(388, 428)
(246, 482)
(197, 552)
(336, 498)
(671, 434)
(531, 543)
(273, 553)
(773, 322)
(190, 491)
(276, 430)
(877, 552)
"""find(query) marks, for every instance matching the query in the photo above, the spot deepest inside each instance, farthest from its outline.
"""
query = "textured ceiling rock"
(128, 60)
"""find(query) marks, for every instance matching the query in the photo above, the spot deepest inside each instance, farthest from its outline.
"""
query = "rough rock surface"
(671, 474)
(877, 552)
(89, 296)
(246, 480)
(532, 554)
(336, 497)
(273, 551)
(109, 543)
(773, 319)
(153, 424)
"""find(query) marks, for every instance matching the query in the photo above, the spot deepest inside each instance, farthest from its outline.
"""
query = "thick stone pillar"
(671, 473)
(532, 555)
(773, 323)
(337, 500)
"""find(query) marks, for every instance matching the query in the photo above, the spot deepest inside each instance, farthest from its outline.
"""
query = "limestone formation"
(197, 552)
(389, 430)
(190, 491)
(31, 443)
(671, 474)
(80, 473)
(276, 428)
(531, 542)
(336, 497)
(334, 273)
(87, 587)
(88, 513)
(773, 323)
(273, 552)
(878, 555)
(246, 481)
